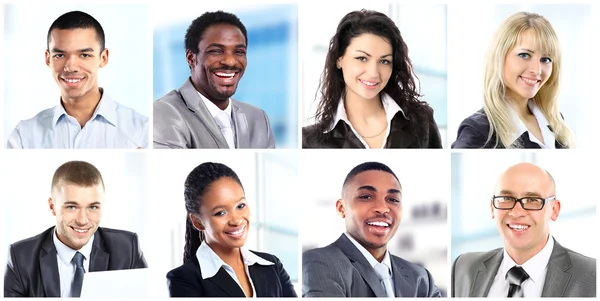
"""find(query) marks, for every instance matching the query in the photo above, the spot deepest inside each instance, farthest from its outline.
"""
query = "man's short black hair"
(366, 167)
(74, 20)
(194, 33)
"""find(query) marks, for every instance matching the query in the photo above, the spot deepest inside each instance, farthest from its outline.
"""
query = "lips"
(532, 82)
(379, 226)
(237, 232)
(72, 81)
(81, 231)
(370, 85)
(226, 77)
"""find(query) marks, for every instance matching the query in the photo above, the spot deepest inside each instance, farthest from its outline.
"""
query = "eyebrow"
(223, 206)
(526, 194)
(56, 50)
(223, 46)
(367, 54)
(371, 188)
(75, 203)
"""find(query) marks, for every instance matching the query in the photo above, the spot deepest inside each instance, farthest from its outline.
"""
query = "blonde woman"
(522, 77)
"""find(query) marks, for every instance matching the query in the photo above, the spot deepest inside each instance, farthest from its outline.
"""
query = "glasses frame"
(517, 200)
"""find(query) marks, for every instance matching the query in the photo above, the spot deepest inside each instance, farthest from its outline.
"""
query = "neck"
(360, 110)
(82, 108)
(232, 257)
(520, 106)
(220, 103)
(520, 256)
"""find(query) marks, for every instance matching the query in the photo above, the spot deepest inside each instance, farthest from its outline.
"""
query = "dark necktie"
(79, 271)
(515, 276)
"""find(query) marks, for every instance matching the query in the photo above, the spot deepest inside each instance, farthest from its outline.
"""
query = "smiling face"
(220, 62)
(78, 212)
(371, 206)
(224, 216)
(525, 232)
(526, 68)
(366, 66)
(74, 58)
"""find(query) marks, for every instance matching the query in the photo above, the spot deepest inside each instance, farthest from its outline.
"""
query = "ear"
(338, 63)
(47, 58)
(555, 210)
(196, 222)
(104, 57)
(51, 205)
(340, 208)
(492, 209)
(190, 57)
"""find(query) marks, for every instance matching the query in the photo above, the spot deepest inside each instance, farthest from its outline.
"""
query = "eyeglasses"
(527, 203)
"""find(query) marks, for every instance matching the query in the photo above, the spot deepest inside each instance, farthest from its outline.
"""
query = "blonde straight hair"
(496, 106)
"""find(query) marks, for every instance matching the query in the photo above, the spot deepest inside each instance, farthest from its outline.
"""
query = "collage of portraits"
(158, 149)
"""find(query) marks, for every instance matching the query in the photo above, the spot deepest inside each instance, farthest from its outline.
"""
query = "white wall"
(30, 88)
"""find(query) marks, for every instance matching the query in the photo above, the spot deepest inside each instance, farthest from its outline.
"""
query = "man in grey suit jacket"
(350, 267)
(523, 205)
(201, 114)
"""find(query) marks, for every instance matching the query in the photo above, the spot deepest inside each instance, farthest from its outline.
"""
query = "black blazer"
(473, 133)
(32, 269)
(269, 281)
(400, 136)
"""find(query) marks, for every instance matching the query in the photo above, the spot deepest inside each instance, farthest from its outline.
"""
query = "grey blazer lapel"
(361, 264)
(403, 286)
(556, 277)
(195, 104)
(485, 275)
(49, 268)
(240, 123)
(98, 258)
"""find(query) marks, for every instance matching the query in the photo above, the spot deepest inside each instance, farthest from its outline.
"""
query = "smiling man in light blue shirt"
(86, 116)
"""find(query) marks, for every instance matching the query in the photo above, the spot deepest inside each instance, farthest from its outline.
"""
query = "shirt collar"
(66, 254)
(213, 109)
(535, 266)
(106, 108)
(210, 262)
(389, 105)
(520, 126)
(369, 257)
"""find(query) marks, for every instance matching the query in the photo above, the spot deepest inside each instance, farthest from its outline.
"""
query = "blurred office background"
(423, 28)
(474, 176)
(422, 236)
(270, 80)
(26, 178)
(29, 85)
(270, 181)
(470, 33)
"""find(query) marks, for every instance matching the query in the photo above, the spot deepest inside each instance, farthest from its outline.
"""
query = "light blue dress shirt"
(112, 126)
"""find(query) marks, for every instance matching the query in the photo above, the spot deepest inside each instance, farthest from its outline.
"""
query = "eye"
(524, 55)
(546, 60)
(530, 200)
(85, 55)
(365, 197)
(505, 199)
(240, 52)
(394, 200)
(70, 207)
(94, 208)
(241, 206)
(362, 58)
(386, 62)
(220, 213)
(58, 55)
(214, 51)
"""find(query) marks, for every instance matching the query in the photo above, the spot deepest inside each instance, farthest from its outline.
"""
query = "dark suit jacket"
(400, 136)
(569, 274)
(473, 133)
(32, 269)
(269, 281)
(340, 270)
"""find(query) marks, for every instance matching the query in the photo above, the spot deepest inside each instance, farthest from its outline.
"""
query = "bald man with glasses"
(532, 263)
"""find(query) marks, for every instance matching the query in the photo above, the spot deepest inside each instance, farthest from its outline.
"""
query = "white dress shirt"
(210, 263)
(389, 105)
(536, 268)
(66, 270)
(214, 111)
(547, 134)
(372, 261)
(112, 126)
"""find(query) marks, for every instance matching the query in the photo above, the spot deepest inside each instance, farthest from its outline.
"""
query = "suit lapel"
(403, 286)
(49, 267)
(485, 275)
(361, 264)
(223, 281)
(260, 280)
(192, 100)
(240, 125)
(343, 137)
(399, 138)
(98, 258)
(556, 277)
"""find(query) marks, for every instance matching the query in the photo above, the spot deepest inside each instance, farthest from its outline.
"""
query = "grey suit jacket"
(570, 274)
(340, 270)
(182, 120)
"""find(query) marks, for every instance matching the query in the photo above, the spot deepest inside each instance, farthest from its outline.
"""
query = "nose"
(381, 206)
(82, 218)
(373, 69)
(228, 59)
(518, 210)
(71, 64)
(535, 67)
(236, 219)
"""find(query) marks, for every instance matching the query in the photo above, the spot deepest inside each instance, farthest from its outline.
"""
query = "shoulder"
(31, 243)
(327, 254)
(416, 269)
(473, 131)
(469, 259)
(478, 120)
(185, 270)
(248, 108)
(579, 261)
(42, 119)
(125, 111)
(172, 98)
(312, 137)
(112, 236)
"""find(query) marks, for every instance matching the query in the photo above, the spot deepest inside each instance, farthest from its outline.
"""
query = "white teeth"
(518, 227)
(238, 232)
(368, 83)
(380, 224)
(221, 74)
(80, 231)
(529, 81)
(72, 80)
